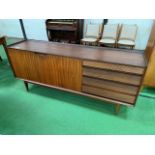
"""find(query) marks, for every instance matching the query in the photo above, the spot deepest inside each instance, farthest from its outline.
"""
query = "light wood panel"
(109, 85)
(108, 94)
(113, 76)
(114, 67)
(149, 78)
(151, 43)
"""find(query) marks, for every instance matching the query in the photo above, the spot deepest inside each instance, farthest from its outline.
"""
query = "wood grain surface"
(116, 56)
(114, 67)
(109, 85)
(112, 76)
(108, 94)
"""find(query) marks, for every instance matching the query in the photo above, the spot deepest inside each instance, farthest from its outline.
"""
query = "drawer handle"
(40, 54)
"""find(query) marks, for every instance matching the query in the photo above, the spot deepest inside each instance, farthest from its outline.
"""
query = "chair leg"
(117, 46)
(131, 47)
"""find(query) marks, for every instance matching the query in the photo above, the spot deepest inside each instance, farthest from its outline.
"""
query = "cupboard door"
(60, 71)
(24, 64)
(48, 69)
(70, 72)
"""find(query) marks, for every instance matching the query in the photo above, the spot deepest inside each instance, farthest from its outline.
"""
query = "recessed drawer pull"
(109, 94)
(109, 85)
(112, 76)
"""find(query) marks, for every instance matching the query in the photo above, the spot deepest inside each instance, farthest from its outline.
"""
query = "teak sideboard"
(112, 75)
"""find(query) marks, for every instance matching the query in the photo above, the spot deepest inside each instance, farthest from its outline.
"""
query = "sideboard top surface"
(110, 55)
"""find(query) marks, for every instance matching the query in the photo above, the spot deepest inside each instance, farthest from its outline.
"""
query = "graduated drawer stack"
(113, 81)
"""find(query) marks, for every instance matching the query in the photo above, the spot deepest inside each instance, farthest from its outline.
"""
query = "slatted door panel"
(60, 71)
(48, 69)
(70, 73)
(24, 64)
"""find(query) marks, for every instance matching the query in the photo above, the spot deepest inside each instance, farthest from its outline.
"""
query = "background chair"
(110, 34)
(127, 36)
(92, 35)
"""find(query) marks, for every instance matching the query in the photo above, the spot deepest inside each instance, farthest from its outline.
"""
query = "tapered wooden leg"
(117, 108)
(1, 58)
(26, 85)
(141, 88)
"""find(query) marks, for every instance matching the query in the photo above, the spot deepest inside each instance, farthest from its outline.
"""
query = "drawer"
(109, 85)
(114, 67)
(112, 76)
(108, 94)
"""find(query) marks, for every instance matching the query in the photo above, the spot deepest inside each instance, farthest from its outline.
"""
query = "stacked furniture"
(64, 30)
(111, 75)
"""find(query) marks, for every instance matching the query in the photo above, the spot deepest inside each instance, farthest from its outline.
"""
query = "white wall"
(91, 21)
(144, 29)
(10, 27)
(35, 29)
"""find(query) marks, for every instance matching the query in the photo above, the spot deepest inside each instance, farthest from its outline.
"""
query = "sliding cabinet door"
(60, 71)
(24, 64)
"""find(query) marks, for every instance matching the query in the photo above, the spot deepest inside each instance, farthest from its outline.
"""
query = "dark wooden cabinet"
(102, 73)
(64, 30)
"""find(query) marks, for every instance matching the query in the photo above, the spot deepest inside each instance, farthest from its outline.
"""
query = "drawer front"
(112, 76)
(109, 94)
(112, 86)
(114, 67)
